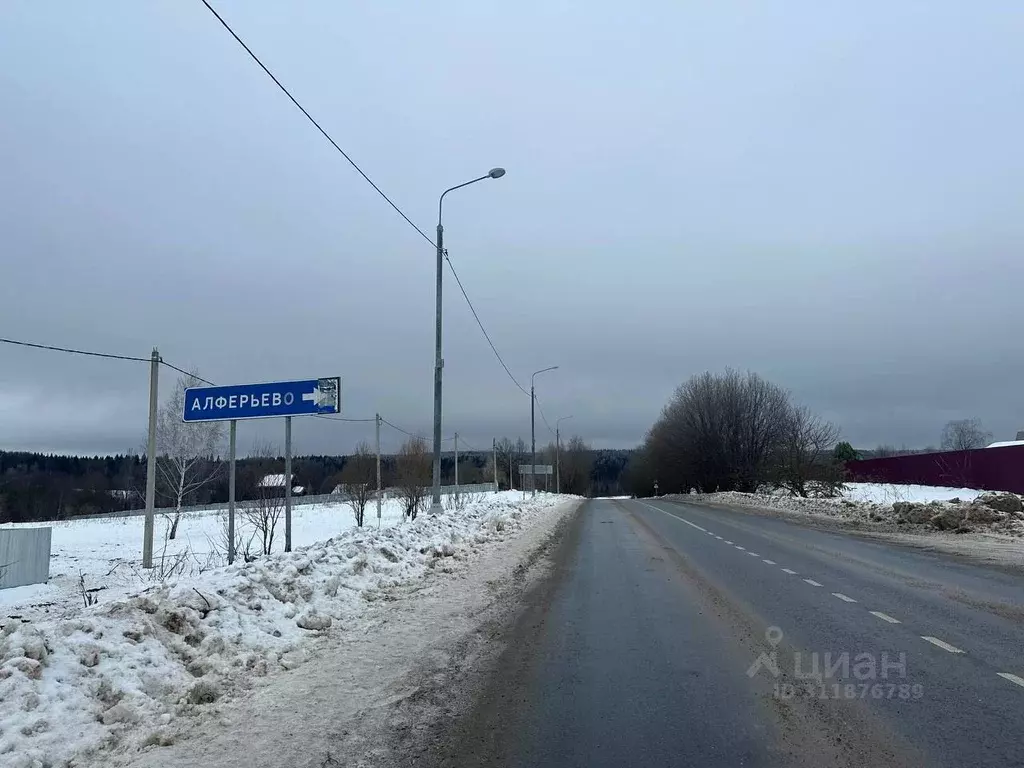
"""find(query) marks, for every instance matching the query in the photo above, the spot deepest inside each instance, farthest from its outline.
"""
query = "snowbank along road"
(316, 657)
(674, 634)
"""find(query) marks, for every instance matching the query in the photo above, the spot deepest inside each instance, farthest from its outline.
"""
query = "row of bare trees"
(359, 478)
(736, 431)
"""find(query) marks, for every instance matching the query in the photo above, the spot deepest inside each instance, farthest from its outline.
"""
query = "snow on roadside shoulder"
(911, 507)
(116, 675)
(887, 493)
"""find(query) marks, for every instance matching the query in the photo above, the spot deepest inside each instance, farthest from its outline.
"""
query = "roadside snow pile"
(115, 676)
(933, 509)
(888, 493)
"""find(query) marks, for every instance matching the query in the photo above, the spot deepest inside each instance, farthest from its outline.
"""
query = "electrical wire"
(187, 373)
(370, 181)
(75, 351)
(542, 416)
(315, 123)
(479, 323)
(341, 418)
(471, 448)
(106, 355)
(393, 426)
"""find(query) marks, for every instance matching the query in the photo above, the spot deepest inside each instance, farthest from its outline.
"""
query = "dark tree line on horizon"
(38, 487)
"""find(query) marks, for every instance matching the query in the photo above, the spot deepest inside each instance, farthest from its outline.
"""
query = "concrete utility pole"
(533, 430)
(147, 533)
(456, 463)
(287, 483)
(494, 460)
(232, 428)
(558, 461)
(379, 490)
(435, 502)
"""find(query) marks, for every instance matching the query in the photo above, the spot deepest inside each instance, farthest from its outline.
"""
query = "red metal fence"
(990, 469)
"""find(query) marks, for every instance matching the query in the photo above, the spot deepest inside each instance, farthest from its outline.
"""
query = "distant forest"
(36, 486)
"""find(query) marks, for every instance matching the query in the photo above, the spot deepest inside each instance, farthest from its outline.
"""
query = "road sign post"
(379, 489)
(287, 483)
(533, 470)
(231, 491)
(269, 400)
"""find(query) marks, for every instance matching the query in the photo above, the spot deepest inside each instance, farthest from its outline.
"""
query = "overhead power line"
(107, 355)
(368, 180)
(342, 418)
(75, 351)
(190, 374)
(393, 426)
(309, 117)
(479, 323)
(542, 416)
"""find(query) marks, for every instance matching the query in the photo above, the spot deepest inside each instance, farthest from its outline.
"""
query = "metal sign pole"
(147, 534)
(287, 483)
(231, 491)
(379, 490)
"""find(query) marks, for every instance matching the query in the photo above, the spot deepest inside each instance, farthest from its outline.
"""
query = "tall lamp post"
(558, 450)
(435, 502)
(533, 431)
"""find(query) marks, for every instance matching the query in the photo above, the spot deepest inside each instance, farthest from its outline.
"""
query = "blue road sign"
(263, 401)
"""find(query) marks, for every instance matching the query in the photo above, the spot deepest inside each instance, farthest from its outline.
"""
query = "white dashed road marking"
(1012, 678)
(791, 573)
(843, 597)
(770, 562)
(812, 582)
(718, 537)
(941, 644)
(753, 554)
(884, 617)
(727, 541)
(739, 547)
(675, 517)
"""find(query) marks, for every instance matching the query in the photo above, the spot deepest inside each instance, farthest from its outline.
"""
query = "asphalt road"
(675, 635)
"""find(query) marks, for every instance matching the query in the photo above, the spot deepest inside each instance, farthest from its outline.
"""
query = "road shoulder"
(1003, 552)
(374, 697)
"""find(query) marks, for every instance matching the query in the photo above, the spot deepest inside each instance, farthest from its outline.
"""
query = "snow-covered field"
(75, 680)
(106, 555)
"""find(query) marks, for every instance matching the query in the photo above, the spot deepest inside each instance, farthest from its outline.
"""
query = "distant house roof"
(1005, 443)
(273, 481)
(277, 481)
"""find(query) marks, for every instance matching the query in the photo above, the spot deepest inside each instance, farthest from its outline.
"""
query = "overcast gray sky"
(828, 193)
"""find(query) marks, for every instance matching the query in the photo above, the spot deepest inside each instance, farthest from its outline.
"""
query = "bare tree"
(719, 432)
(964, 435)
(264, 505)
(186, 452)
(413, 466)
(805, 453)
(359, 479)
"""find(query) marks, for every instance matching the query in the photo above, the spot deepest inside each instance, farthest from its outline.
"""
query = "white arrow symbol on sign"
(319, 397)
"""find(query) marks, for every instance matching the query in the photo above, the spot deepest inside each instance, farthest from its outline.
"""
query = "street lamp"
(435, 502)
(533, 431)
(558, 462)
